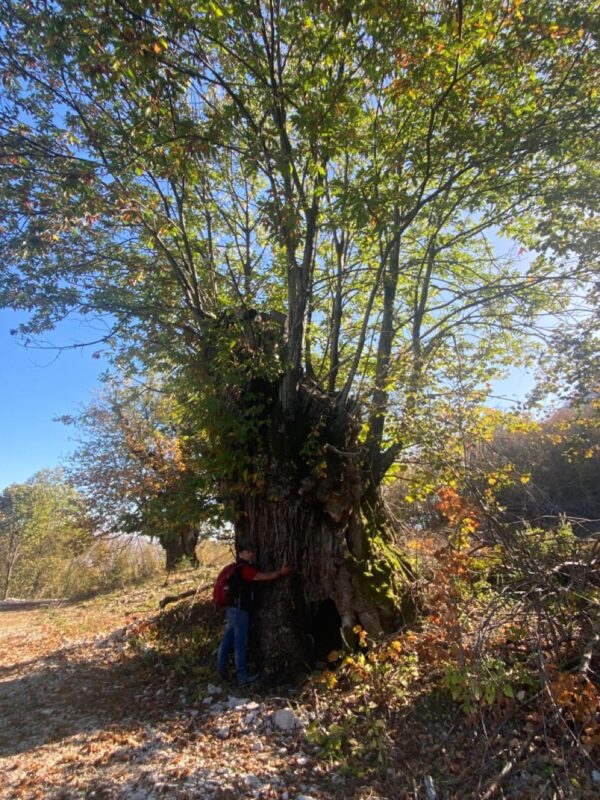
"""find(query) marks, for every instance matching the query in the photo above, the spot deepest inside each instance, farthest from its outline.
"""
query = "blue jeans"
(236, 639)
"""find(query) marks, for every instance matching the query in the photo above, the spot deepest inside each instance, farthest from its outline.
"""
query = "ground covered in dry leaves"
(84, 713)
(109, 698)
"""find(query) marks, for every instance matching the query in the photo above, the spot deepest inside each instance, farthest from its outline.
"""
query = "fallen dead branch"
(173, 598)
(494, 785)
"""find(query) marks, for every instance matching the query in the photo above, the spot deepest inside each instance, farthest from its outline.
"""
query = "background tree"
(570, 369)
(131, 467)
(42, 522)
(291, 210)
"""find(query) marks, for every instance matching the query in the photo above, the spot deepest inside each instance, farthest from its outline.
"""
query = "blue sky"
(514, 387)
(37, 386)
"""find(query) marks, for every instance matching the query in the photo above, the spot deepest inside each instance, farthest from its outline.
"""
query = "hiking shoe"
(249, 680)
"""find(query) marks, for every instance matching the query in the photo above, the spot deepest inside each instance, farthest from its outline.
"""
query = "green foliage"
(235, 405)
(43, 527)
(486, 681)
(554, 546)
(355, 730)
(166, 169)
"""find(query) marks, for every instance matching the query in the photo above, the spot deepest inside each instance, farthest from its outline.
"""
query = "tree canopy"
(345, 164)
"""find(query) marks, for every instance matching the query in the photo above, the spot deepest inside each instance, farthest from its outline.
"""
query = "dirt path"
(82, 715)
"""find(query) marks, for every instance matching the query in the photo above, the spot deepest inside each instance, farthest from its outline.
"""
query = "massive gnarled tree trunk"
(303, 491)
(321, 531)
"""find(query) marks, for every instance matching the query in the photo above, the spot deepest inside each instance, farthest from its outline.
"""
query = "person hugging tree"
(238, 614)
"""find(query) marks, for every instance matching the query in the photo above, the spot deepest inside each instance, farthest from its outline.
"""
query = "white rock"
(430, 791)
(258, 747)
(252, 705)
(138, 794)
(212, 689)
(222, 733)
(236, 702)
(595, 776)
(285, 719)
(305, 797)
(302, 761)
(250, 718)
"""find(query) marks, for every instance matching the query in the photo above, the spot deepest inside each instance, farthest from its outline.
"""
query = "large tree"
(290, 209)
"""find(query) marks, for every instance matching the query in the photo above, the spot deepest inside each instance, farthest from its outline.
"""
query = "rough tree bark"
(319, 511)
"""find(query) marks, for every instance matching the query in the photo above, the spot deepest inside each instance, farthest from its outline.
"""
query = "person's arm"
(272, 576)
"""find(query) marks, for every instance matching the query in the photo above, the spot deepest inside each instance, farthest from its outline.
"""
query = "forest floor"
(84, 713)
(91, 707)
